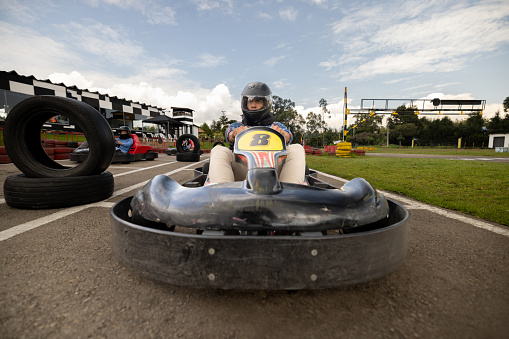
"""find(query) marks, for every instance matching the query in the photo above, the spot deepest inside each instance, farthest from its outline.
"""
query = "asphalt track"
(59, 279)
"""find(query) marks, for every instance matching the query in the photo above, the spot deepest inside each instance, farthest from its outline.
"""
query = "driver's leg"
(223, 167)
(294, 169)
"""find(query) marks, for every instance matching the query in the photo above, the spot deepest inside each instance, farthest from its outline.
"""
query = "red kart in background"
(136, 152)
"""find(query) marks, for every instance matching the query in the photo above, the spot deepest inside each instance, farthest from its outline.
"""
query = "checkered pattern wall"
(12, 81)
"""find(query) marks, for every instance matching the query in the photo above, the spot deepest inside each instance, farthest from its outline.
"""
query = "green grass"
(61, 136)
(477, 188)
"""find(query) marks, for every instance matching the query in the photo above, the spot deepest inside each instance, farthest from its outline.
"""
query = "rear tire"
(41, 193)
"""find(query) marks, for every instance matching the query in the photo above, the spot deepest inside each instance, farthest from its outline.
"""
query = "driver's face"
(254, 104)
(123, 132)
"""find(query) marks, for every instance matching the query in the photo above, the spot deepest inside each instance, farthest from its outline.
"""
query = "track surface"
(59, 279)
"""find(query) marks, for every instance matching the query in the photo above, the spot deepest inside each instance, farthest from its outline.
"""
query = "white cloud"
(289, 14)
(417, 37)
(263, 15)
(29, 53)
(104, 41)
(207, 5)
(273, 61)
(155, 11)
(208, 60)
(279, 84)
(72, 79)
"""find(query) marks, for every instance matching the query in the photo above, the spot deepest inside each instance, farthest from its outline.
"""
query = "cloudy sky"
(201, 53)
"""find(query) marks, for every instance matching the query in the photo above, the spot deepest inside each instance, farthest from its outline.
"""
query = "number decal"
(260, 140)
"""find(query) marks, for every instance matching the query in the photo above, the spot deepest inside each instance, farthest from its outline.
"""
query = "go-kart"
(259, 233)
(137, 152)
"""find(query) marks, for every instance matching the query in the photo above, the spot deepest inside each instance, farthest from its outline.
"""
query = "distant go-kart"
(136, 152)
(259, 233)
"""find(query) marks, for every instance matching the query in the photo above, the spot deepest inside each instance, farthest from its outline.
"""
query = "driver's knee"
(221, 153)
(296, 150)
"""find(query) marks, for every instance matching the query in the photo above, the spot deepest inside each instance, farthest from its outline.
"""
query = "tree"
(285, 113)
(473, 131)
(323, 105)
(404, 131)
(219, 127)
(314, 123)
(506, 104)
(405, 115)
(206, 129)
(438, 131)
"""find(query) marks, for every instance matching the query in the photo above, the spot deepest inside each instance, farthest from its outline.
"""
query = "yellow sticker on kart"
(260, 141)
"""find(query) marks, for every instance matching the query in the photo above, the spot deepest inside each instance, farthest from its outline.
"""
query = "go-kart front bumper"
(310, 260)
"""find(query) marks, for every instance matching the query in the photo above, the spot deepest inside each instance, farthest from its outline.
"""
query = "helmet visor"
(256, 103)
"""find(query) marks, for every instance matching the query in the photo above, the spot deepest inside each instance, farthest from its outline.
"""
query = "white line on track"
(19, 229)
(143, 169)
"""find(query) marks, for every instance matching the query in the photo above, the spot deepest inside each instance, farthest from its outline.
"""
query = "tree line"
(403, 128)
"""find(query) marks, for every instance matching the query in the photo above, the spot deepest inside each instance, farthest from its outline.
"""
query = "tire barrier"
(23, 137)
(343, 149)
(187, 143)
(188, 148)
(23, 192)
(45, 183)
(188, 157)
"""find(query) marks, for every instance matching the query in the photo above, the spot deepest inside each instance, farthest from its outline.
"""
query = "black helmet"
(124, 128)
(256, 91)
(124, 136)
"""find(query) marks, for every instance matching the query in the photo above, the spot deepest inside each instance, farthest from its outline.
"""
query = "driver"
(124, 141)
(256, 104)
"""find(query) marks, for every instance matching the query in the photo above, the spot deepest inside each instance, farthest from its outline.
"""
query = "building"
(498, 140)
(14, 88)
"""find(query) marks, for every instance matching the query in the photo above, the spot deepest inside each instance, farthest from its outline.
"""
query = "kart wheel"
(41, 193)
(150, 155)
(23, 137)
(187, 137)
(188, 157)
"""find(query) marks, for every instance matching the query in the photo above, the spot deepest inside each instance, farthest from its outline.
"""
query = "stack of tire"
(343, 149)
(44, 183)
(188, 148)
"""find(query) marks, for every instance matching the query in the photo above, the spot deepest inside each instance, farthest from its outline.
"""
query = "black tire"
(151, 155)
(23, 137)
(188, 157)
(218, 143)
(41, 193)
(181, 140)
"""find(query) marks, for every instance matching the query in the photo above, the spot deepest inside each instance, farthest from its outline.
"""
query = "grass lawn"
(477, 188)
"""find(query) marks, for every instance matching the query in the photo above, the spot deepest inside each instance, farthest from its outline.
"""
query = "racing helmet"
(256, 91)
(124, 128)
